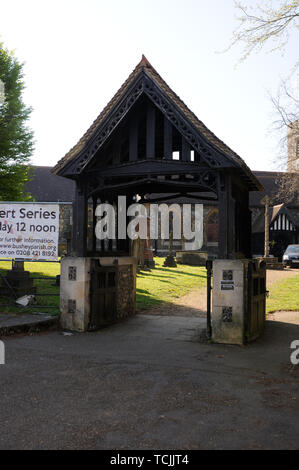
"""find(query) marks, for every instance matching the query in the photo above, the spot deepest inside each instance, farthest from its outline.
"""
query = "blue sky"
(78, 53)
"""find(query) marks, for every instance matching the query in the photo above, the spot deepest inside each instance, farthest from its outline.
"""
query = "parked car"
(291, 256)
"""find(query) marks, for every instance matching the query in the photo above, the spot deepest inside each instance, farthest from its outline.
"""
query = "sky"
(77, 54)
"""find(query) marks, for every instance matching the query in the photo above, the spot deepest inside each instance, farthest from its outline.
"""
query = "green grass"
(166, 284)
(155, 287)
(43, 286)
(284, 295)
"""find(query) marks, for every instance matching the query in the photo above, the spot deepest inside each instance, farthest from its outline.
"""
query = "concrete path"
(11, 323)
(194, 304)
(276, 275)
(149, 383)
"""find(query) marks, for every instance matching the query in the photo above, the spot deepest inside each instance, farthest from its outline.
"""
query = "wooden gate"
(256, 299)
(103, 294)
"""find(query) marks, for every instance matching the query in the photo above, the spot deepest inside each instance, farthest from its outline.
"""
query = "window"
(282, 222)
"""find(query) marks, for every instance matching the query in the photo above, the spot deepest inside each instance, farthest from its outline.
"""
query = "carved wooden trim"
(106, 129)
(208, 154)
(145, 84)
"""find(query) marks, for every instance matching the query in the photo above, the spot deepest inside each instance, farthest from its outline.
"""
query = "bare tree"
(286, 125)
(288, 188)
(264, 24)
(267, 25)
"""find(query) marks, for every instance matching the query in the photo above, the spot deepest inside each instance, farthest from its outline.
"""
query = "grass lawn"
(165, 284)
(284, 295)
(153, 287)
(43, 286)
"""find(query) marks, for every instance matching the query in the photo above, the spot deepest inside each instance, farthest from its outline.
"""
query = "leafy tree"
(16, 140)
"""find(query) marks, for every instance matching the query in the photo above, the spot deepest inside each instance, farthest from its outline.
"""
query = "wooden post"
(186, 153)
(266, 250)
(79, 222)
(94, 221)
(169, 260)
(243, 224)
(170, 246)
(150, 131)
(133, 152)
(17, 265)
(226, 220)
(248, 233)
(167, 139)
(116, 148)
(182, 231)
(266, 201)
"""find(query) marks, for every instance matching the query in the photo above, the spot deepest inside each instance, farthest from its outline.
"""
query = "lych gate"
(146, 141)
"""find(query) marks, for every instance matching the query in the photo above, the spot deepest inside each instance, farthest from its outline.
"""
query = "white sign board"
(29, 231)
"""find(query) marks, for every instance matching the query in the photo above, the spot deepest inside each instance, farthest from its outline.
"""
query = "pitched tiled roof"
(47, 187)
(274, 211)
(84, 139)
(270, 182)
(144, 65)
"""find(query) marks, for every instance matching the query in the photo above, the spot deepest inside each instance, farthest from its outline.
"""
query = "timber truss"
(144, 85)
(146, 142)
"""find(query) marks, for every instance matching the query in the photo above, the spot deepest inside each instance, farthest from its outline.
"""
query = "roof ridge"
(211, 138)
(205, 127)
(144, 62)
(267, 173)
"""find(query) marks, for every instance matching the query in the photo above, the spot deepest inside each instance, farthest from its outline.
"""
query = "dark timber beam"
(150, 130)
(186, 151)
(248, 239)
(140, 168)
(133, 150)
(116, 148)
(243, 217)
(137, 184)
(94, 221)
(245, 229)
(167, 139)
(79, 239)
(227, 223)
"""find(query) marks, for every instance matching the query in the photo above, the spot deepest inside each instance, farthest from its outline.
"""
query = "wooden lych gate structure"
(146, 141)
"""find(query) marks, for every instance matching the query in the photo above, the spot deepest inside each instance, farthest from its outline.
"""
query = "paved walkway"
(276, 275)
(194, 304)
(149, 383)
(12, 323)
